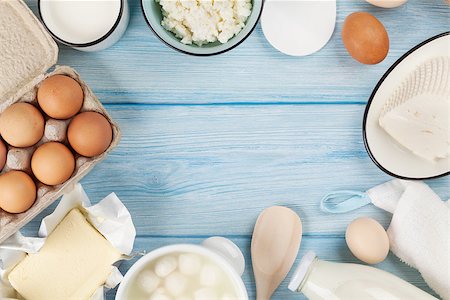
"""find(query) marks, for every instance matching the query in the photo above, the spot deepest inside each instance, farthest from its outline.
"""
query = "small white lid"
(301, 271)
(26, 49)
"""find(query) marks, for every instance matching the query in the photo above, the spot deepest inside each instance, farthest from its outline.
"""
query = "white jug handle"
(228, 250)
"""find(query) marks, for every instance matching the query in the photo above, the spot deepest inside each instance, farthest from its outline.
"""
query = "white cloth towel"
(419, 232)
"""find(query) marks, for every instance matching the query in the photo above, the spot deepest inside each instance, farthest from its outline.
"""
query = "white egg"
(165, 266)
(210, 275)
(189, 264)
(367, 240)
(387, 3)
(176, 283)
(206, 294)
(148, 281)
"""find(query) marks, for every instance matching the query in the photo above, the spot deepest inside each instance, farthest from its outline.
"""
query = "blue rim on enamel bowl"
(370, 103)
(153, 15)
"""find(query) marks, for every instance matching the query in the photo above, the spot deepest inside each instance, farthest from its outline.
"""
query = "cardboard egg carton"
(26, 53)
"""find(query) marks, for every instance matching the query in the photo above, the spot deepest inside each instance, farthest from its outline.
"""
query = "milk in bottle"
(323, 280)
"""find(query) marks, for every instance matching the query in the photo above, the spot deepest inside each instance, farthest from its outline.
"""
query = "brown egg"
(52, 163)
(367, 240)
(60, 97)
(3, 154)
(21, 125)
(365, 38)
(90, 134)
(17, 192)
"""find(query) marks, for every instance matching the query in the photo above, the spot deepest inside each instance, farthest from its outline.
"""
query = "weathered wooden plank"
(187, 172)
(196, 170)
(140, 69)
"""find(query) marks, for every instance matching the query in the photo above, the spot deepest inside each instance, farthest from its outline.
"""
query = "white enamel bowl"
(384, 151)
(220, 250)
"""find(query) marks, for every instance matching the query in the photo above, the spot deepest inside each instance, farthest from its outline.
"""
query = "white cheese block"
(417, 115)
(421, 125)
(74, 261)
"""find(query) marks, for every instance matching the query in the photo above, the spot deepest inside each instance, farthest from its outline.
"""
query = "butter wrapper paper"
(110, 217)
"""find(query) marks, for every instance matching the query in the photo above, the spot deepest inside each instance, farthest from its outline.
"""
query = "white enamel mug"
(61, 18)
(220, 250)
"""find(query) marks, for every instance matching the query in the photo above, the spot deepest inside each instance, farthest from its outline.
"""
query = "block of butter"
(75, 260)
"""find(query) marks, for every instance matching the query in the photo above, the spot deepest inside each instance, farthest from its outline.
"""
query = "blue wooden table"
(209, 142)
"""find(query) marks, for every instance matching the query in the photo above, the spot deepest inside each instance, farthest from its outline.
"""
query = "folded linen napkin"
(419, 232)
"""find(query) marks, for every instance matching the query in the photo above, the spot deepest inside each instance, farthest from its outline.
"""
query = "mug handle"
(228, 250)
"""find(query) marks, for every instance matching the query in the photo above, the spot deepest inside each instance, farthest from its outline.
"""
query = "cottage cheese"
(205, 21)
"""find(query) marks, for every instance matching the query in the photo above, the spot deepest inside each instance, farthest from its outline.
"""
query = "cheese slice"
(417, 114)
(74, 261)
(422, 125)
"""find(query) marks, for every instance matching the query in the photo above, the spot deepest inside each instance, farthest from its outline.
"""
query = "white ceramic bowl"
(153, 15)
(222, 251)
(384, 151)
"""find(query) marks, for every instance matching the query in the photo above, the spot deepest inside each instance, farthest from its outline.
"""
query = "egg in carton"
(26, 53)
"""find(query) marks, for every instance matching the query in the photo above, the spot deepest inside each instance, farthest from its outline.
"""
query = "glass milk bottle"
(320, 280)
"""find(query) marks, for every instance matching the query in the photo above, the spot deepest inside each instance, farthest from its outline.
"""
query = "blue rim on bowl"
(153, 16)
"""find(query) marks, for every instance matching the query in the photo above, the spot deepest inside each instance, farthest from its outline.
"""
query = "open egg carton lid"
(27, 51)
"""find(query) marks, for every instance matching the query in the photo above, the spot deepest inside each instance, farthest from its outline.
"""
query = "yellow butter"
(74, 261)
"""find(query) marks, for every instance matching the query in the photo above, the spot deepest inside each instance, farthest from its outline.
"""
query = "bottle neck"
(303, 271)
(308, 273)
